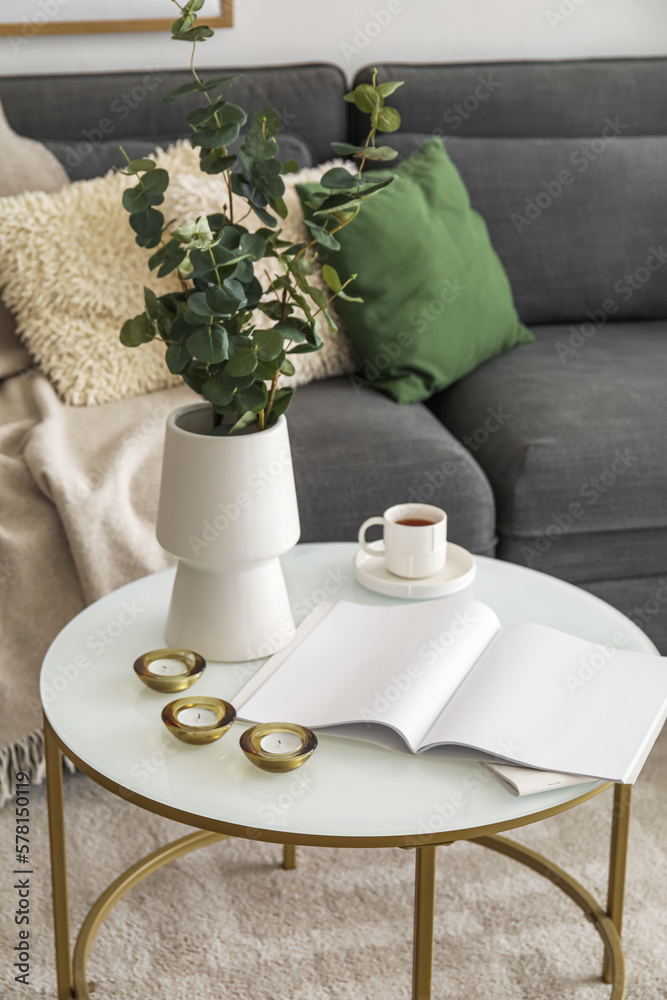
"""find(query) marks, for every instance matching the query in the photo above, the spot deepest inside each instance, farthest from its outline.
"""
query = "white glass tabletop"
(349, 790)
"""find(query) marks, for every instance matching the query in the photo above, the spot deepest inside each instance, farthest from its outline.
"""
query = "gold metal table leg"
(54, 791)
(289, 857)
(578, 894)
(422, 954)
(122, 885)
(620, 828)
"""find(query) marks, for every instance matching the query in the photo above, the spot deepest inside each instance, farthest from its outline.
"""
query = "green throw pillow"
(437, 302)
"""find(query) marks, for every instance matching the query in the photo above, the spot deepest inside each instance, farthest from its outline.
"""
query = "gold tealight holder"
(169, 670)
(198, 720)
(278, 746)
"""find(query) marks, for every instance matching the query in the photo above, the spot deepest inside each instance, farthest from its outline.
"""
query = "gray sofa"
(555, 454)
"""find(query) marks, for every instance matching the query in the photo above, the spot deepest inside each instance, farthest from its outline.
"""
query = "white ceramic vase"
(228, 511)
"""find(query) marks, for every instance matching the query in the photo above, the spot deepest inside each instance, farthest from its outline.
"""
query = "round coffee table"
(350, 794)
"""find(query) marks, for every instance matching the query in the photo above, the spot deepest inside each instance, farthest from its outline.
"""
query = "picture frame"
(40, 20)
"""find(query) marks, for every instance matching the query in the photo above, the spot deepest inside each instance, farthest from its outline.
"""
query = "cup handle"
(362, 536)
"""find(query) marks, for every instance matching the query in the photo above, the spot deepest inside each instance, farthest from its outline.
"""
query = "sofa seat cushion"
(356, 453)
(572, 434)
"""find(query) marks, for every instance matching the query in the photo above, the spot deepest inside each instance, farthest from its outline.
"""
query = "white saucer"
(458, 572)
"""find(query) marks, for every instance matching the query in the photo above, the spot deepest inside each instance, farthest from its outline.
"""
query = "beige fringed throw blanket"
(78, 498)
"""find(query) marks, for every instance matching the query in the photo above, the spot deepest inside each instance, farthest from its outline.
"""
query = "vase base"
(234, 616)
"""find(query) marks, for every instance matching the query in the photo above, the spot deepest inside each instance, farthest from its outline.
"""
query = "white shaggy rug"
(227, 921)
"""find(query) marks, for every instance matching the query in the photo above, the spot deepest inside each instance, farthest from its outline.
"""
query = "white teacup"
(415, 539)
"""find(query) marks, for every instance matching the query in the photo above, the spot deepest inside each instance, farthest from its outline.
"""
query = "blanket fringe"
(25, 755)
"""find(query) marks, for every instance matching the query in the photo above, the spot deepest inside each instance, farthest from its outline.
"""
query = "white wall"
(353, 33)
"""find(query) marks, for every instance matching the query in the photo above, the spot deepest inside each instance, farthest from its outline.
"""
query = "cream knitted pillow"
(72, 273)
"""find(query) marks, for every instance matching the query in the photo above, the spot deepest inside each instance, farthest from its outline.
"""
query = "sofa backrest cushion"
(566, 162)
(84, 118)
(579, 224)
(94, 160)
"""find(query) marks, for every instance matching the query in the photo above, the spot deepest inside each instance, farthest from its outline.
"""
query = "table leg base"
(614, 969)
(289, 857)
(122, 885)
(424, 904)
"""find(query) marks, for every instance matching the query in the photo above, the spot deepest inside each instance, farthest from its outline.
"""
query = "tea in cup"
(415, 539)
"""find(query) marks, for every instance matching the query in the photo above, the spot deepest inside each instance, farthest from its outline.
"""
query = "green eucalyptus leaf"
(255, 147)
(195, 375)
(138, 166)
(281, 401)
(195, 87)
(253, 244)
(262, 214)
(198, 34)
(136, 331)
(266, 177)
(215, 161)
(291, 330)
(330, 275)
(135, 200)
(378, 153)
(301, 266)
(202, 116)
(324, 238)
(339, 178)
(254, 398)
(225, 301)
(266, 122)
(245, 420)
(184, 23)
(148, 227)
(372, 187)
(306, 348)
(156, 182)
(182, 91)
(318, 297)
(242, 362)
(346, 148)
(266, 369)
(209, 344)
(388, 120)
(197, 304)
(289, 167)
(269, 344)
(338, 203)
(287, 368)
(216, 394)
(365, 97)
(167, 258)
(178, 358)
(219, 81)
(216, 138)
(385, 89)
(278, 205)
(243, 271)
(254, 292)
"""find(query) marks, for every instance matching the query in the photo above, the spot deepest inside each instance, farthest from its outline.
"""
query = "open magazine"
(449, 679)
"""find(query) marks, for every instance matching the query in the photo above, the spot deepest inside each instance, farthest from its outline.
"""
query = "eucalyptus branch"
(209, 328)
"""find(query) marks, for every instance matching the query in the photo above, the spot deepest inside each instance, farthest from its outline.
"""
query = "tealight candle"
(167, 667)
(197, 717)
(279, 746)
(198, 720)
(169, 670)
(283, 742)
